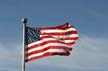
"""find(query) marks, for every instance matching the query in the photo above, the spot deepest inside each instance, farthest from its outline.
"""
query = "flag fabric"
(49, 41)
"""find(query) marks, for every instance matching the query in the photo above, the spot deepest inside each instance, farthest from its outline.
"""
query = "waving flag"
(42, 42)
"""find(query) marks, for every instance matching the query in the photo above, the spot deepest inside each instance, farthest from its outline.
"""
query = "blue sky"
(90, 17)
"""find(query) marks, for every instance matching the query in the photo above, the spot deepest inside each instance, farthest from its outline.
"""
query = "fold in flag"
(49, 41)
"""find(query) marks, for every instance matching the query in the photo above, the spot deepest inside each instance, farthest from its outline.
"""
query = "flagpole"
(24, 21)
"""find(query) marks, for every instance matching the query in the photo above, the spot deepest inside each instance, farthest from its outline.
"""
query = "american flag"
(42, 42)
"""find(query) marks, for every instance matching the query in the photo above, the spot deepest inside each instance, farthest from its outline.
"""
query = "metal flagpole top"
(24, 20)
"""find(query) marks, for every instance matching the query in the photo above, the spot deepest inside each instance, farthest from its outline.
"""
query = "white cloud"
(91, 52)
(10, 57)
(88, 52)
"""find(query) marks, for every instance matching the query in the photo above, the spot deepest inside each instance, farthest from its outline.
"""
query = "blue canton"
(32, 35)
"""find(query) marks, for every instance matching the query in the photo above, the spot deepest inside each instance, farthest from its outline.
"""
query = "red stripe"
(47, 54)
(49, 47)
(56, 53)
(66, 28)
(70, 38)
(66, 25)
(46, 42)
(59, 33)
(59, 38)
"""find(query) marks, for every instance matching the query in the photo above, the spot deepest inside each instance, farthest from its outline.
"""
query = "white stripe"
(47, 45)
(68, 41)
(61, 36)
(50, 50)
(41, 41)
(57, 30)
